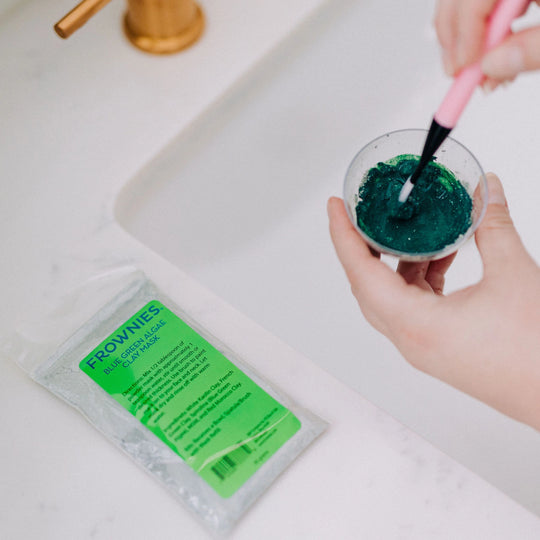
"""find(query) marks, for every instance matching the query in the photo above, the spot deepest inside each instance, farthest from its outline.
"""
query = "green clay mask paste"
(436, 213)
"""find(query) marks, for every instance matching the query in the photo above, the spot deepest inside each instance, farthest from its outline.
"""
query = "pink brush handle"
(465, 83)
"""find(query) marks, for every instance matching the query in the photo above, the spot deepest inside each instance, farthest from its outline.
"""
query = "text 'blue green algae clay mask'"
(440, 214)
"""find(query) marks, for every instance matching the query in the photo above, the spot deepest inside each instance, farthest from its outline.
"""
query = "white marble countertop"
(79, 119)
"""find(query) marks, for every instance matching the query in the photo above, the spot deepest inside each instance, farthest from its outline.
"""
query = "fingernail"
(489, 85)
(496, 197)
(447, 63)
(462, 57)
(495, 190)
(504, 62)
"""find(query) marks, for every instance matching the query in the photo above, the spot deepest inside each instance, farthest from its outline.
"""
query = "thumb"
(520, 52)
(496, 237)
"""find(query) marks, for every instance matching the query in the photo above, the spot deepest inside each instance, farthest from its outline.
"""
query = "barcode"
(227, 464)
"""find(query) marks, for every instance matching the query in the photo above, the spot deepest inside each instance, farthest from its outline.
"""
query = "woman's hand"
(461, 29)
(483, 340)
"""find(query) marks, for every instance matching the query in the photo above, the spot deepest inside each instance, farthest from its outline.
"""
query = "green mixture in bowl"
(436, 214)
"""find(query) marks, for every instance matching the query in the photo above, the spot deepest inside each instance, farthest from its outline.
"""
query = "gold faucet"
(155, 26)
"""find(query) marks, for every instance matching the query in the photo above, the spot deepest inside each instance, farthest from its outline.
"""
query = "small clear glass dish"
(452, 154)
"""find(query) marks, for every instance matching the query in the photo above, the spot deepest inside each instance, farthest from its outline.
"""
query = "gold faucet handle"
(78, 16)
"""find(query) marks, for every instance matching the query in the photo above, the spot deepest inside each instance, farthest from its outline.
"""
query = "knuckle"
(498, 218)
(443, 31)
(355, 290)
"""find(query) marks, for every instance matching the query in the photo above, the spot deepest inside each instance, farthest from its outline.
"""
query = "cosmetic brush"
(449, 111)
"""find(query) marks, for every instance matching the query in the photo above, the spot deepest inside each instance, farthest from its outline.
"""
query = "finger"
(496, 237)
(519, 53)
(414, 273)
(350, 247)
(361, 266)
(382, 294)
(446, 27)
(489, 85)
(472, 23)
(436, 272)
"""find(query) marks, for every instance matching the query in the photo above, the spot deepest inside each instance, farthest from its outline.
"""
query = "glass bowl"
(452, 154)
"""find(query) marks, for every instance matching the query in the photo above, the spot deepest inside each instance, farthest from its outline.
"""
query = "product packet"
(185, 407)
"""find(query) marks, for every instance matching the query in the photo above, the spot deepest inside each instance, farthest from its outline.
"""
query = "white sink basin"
(238, 201)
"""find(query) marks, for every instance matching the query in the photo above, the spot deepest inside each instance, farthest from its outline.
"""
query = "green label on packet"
(186, 392)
